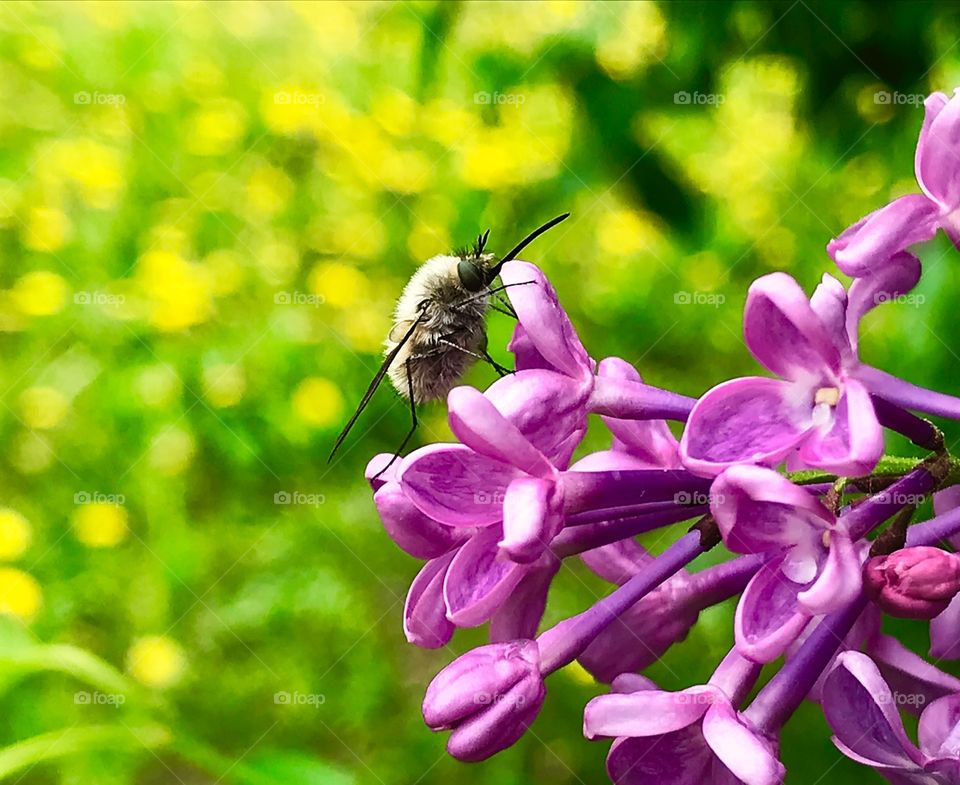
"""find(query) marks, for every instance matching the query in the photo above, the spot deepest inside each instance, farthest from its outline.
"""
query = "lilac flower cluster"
(787, 471)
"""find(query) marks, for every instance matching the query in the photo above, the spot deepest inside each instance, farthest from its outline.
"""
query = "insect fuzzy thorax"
(448, 323)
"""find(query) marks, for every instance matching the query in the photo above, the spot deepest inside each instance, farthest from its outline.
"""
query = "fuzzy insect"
(439, 327)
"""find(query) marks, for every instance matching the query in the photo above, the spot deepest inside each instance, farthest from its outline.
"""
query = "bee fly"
(439, 327)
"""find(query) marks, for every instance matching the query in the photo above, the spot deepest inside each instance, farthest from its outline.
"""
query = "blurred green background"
(206, 213)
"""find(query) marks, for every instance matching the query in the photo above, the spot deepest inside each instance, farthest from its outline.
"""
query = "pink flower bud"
(913, 583)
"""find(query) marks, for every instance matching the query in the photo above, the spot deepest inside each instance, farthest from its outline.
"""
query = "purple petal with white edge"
(546, 323)
(455, 485)
(894, 278)
(748, 420)
(532, 516)
(749, 757)
(618, 561)
(478, 583)
(870, 242)
(759, 510)
(939, 730)
(784, 333)
(646, 713)
(650, 440)
(915, 681)
(937, 161)
(861, 710)
(829, 303)
(839, 582)
(945, 633)
(478, 424)
(520, 616)
(933, 105)
(853, 444)
(609, 460)
(414, 532)
(768, 618)
(425, 620)
(548, 408)
(377, 464)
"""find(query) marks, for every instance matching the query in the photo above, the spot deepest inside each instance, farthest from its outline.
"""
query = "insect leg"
(485, 357)
(413, 417)
(488, 292)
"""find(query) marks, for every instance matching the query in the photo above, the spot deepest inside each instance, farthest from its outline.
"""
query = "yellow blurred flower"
(157, 661)
(279, 260)
(31, 452)
(46, 229)
(224, 385)
(100, 524)
(428, 239)
(94, 168)
(20, 594)
(625, 231)
(171, 451)
(340, 285)
(43, 407)
(638, 39)
(216, 128)
(396, 112)
(268, 190)
(40, 293)
(318, 402)
(227, 271)
(15, 534)
(179, 291)
(158, 386)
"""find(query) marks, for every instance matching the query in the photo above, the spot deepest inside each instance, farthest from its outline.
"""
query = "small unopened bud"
(487, 697)
(913, 583)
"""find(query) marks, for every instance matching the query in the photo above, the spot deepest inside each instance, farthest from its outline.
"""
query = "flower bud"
(913, 583)
(487, 697)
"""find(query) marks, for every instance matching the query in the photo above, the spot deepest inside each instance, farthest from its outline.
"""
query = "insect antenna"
(495, 270)
(413, 426)
(384, 367)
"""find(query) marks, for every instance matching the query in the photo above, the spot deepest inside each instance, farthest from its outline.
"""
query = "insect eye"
(471, 276)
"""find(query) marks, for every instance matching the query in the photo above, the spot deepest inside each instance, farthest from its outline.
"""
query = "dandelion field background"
(206, 213)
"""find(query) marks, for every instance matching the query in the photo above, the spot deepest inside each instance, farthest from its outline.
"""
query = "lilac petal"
(784, 333)
(649, 440)
(749, 758)
(618, 561)
(477, 582)
(548, 408)
(861, 710)
(749, 420)
(519, 617)
(532, 516)
(607, 461)
(646, 713)
(894, 278)
(939, 730)
(759, 510)
(425, 620)
(945, 633)
(526, 356)
(854, 443)
(829, 303)
(768, 618)
(839, 582)
(911, 677)
(944, 501)
(869, 243)
(478, 424)
(377, 464)
(455, 485)
(679, 758)
(414, 532)
(546, 323)
(632, 682)
(937, 161)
